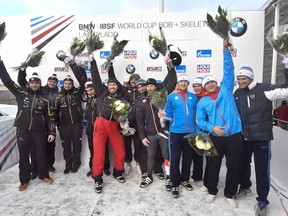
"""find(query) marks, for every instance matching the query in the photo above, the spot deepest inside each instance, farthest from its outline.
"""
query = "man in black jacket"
(50, 92)
(90, 114)
(254, 103)
(106, 128)
(32, 120)
(69, 109)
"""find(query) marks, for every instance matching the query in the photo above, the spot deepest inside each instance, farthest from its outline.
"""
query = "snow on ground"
(73, 194)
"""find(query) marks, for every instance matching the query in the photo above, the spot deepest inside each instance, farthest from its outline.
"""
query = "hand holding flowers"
(33, 59)
(220, 25)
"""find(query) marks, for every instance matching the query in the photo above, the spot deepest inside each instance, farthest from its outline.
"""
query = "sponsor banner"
(154, 69)
(104, 70)
(204, 53)
(180, 69)
(203, 68)
(130, 54)
(104, 54)
(60, 69)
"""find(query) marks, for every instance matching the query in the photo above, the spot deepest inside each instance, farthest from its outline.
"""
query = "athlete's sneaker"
(23, 186)
(187, 185)
(175, 192)
(168, 183)
(48, 180)
(204, 189)
(210, 198)
(107, 172)
(52, 169)
(261, 209)
(120, 178)
(232, 202)
(144, 175)
(160, 176)
(67, 170)
(242, 193)
(146, 182)
(98, 187)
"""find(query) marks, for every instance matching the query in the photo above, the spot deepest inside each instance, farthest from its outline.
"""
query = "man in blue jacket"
(180, 108)
(224, 124)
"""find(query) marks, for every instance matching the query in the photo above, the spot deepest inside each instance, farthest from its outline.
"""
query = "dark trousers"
(197, 173)
(232, 148)
(89, 133)
(128, 148)
(51, 153)
(177, 147)
(38, 141)
(71, 139)
(262, 155)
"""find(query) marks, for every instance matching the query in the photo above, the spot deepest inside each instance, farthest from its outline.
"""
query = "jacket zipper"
(69, 107)
(31, 111)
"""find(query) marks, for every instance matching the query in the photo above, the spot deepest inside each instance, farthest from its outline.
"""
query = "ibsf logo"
(130, 54)
(203, 68)
(104, 70)
(180, 69)
(104, 54)
(184, 53)
(154, 69)
(207, 53)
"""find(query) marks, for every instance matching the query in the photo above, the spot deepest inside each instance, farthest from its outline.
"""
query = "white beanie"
(183, 77)
(208, 78)
(35, 78)
(198, 80)
(246, 71)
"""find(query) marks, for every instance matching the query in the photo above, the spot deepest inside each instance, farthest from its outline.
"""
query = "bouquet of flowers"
(32, 60)
(61, 55)
(120, 110)
(77, 46)
(93, 42)
(201, 143)
(116, 49)
(220, 25)
(158, 100)
(159, 44)
(280, 42)
(2, 31)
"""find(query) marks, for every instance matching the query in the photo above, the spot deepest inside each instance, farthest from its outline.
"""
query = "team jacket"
(90, 112)
(222, 111)
(48, 93)
(148, 122)
(182, 113)
(68, 103)
(256, 109)
(33, 109)
(104, 98)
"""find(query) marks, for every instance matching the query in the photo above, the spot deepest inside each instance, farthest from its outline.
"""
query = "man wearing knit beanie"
(254, 103)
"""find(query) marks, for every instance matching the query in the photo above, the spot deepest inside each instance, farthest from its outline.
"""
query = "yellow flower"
(200, 144)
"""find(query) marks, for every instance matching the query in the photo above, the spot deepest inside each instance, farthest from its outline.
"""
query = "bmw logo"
(238, 27)
(130, 69)
(154, 54)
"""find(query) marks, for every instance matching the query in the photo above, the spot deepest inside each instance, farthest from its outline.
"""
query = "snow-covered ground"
(73, 194)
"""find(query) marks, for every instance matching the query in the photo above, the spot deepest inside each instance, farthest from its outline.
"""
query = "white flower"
(200, 144)
(117, 102)
(118, 108)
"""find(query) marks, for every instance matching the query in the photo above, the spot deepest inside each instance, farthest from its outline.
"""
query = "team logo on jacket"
(238, 27)
(252, 96)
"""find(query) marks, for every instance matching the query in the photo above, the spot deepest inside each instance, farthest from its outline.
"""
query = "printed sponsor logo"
(60, 69)
(154, 69)
(154, 54)
(104, 54)
(180, 69)
(104, 70)
(130, 69)
(184, 53)
(130, 54)
(238, 27)
(203, 68)
(207, 53)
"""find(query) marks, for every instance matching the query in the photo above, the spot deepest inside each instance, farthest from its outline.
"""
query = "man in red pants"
(106, 128)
